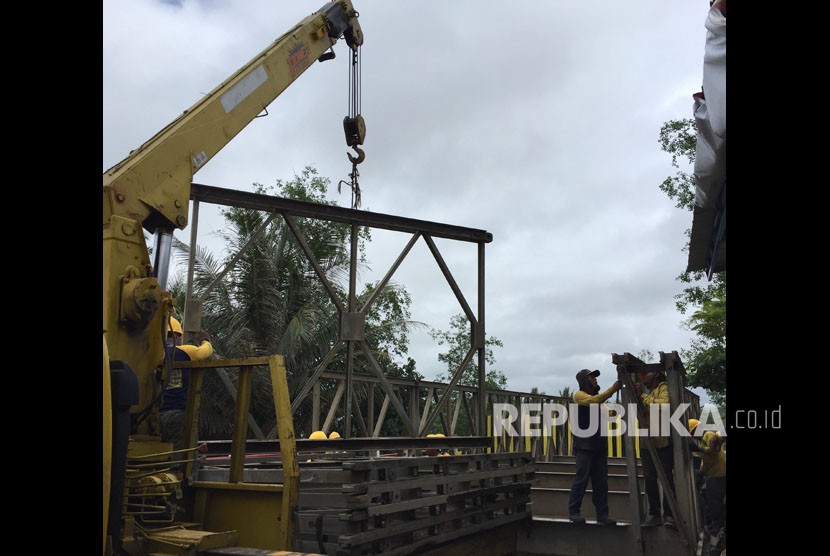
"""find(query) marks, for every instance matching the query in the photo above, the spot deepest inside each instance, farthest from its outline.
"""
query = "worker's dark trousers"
(714, 507)
(666, 457)
(593, 465)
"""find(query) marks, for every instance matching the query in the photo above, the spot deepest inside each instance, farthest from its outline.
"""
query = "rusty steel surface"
(407, 505)
(244, 199)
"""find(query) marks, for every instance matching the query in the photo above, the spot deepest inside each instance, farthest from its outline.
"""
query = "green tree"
(645, 355)
(565, 393)
(272, 302)
(458, 340)
(705, 360)
(388, 324)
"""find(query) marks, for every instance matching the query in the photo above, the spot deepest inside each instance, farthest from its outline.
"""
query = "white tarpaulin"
(710, 114)
(707, 248)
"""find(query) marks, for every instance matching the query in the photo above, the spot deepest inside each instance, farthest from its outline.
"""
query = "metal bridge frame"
(352, 318)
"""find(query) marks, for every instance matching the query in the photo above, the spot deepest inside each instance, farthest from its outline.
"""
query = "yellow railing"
(557, 442)
(227, 500)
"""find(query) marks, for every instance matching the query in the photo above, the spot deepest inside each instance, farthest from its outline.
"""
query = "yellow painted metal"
(146, 450)
(128, 289)
(220, 363)
(240, 424)
(181, 541)
(619, 437)
(263, 514)
(158, 483)
(191, 413)
(637, 439)
(288, 451)
(257, 487)
(609, 435)
(570, 439)
(490, 433)
(107, 439)
(253, 510)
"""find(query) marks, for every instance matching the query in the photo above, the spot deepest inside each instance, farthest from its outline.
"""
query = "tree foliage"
(705, 360)
(679, 139)
(645, 355)
(458, 340)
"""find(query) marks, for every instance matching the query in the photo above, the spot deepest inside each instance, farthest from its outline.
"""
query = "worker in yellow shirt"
(658, 394)
(171, 413)
(713, 468)
(590, 448)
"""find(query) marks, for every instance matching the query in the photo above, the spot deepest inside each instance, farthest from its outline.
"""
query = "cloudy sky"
(536, 121)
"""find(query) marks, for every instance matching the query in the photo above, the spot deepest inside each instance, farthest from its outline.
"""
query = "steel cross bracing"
(352, 318)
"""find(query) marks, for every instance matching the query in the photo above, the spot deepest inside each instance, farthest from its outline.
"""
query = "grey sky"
(536, 121)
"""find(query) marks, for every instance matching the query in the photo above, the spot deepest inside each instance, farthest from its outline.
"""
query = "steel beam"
(222, 447)
(257, 201)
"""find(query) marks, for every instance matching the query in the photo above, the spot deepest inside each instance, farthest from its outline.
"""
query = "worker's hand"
(204, 336)
(616, 386)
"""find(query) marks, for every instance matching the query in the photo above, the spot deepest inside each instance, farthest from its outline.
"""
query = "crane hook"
(361, 156)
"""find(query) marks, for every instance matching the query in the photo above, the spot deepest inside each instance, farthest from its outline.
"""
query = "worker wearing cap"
(591, 451)
(658, 394)
(171, 413)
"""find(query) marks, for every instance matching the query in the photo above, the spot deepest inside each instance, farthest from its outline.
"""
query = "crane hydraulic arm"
(151, 187)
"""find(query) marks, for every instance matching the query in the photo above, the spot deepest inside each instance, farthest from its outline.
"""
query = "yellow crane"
(150, 190)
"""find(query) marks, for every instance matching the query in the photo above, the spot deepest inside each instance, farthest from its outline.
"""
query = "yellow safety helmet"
(693, 423)
(175, 327)
(334, 434)
(433, 451)
(318, 435)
